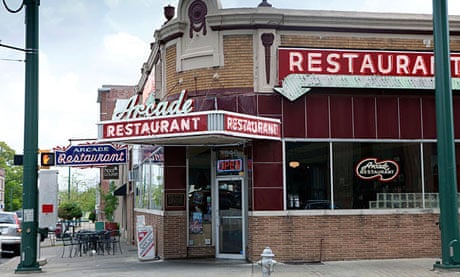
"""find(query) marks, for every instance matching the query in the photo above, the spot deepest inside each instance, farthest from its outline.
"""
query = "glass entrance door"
(230, 218)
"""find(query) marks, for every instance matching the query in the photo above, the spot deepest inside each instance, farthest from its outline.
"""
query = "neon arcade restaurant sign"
(170, 122)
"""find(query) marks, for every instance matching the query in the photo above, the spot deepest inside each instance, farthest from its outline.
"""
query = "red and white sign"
(301, 69)
(373, 169)
(212, 123)
(360, 62)
(256, 126)
(155, 126)
(145, 243)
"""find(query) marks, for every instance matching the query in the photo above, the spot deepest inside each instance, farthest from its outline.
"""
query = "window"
(377, 175)
(430, 162)
(149, 179)
(365, 175)
(307, 175)
(199, 196)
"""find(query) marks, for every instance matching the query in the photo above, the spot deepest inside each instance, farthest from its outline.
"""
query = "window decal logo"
(371, 168)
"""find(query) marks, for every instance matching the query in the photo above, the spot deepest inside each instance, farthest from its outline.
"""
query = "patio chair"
(103, 242)
(115, 239)
(70, 242)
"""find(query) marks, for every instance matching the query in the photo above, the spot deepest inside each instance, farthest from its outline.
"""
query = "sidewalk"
(127, 264)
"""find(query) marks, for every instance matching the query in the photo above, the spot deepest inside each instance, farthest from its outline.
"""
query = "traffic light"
(47, 158)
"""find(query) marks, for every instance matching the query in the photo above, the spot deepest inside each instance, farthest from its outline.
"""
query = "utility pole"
(448, 220)
(28, 259)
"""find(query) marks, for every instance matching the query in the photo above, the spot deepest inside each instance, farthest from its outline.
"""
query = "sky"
(85, 44)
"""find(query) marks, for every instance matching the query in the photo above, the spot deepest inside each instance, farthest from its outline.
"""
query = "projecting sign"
(301, 69)
(371, 168)
(172, 119)
(111, 172)
(192, 124)
(91, 155)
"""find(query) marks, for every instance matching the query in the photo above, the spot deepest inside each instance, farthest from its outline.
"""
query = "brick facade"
(237, 72)
(327, 114)
(345, 237)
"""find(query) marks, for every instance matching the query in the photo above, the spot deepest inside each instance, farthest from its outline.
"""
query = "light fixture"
(264, 3)
(294, 164)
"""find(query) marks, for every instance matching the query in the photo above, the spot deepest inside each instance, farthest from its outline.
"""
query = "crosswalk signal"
(47, 159)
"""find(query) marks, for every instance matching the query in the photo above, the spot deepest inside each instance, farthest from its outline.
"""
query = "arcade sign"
(371, 168)
(192, 124)
(300, 69)
(91, 155)
(132, 110)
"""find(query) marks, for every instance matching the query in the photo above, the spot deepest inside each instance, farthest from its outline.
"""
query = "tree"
(110, 202)
(80, 192)
(69, 211)
(13, 178)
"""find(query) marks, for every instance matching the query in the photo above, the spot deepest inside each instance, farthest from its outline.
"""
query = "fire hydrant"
(267, 262)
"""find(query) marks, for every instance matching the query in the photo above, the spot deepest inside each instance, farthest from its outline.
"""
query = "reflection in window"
(430, 162)
(377, 175)
(199, 196)
(149, 179)
(307, 175)
(382, 175)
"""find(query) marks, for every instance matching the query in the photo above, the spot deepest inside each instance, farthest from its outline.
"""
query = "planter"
(99, 225)
(112, 226)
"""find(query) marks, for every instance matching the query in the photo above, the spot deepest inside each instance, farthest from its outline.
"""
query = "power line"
(12, 60)
(17, 48)
(11, 10)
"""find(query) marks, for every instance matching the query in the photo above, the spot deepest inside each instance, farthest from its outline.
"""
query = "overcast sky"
(85, 44)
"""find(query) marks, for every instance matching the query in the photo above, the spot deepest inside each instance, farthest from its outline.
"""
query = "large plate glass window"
(377, 175)
(199, 197)
(307, 175)
(148, 177)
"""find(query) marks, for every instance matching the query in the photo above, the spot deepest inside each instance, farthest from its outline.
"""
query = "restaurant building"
(312, 132)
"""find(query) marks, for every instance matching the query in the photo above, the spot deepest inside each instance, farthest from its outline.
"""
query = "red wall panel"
(174, 156)
(294, 118)
(175, 177)
(387, 118)
(227, 103)
(409, 117)
(247, 104)
(268, 104)
(456, 105)
(429, 117)
(268, 174)
(268, 199)
(317, 116)
(267, 151)
(341, 117)
(364, 117)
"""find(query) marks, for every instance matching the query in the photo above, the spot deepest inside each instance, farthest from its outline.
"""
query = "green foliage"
(80, 192)
(92, 216)
(13, 178)
(69, 210)
(110, 202)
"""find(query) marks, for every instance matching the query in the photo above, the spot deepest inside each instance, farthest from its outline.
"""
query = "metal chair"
(103, 242)
(115, 239)
(69, 242)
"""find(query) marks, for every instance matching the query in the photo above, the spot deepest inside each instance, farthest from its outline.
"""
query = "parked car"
(19, 214)
(319, 204)
(10, 234)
